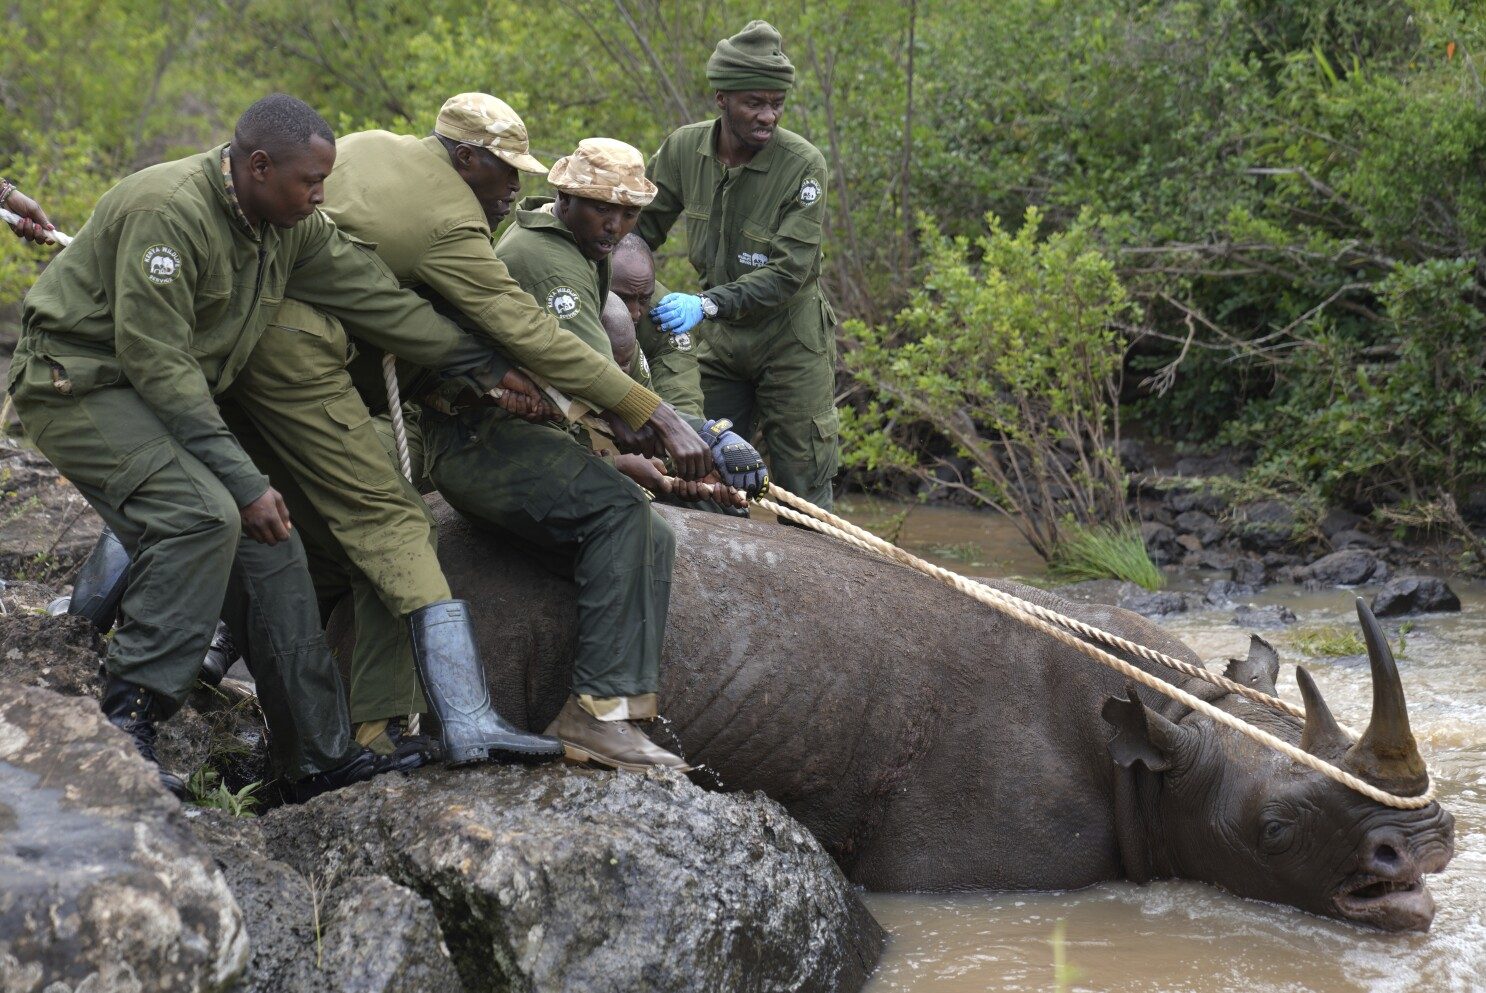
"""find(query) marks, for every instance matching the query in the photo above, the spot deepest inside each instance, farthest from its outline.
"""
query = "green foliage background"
(1290, 194)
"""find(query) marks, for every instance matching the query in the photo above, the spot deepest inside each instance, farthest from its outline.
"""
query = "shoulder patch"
(162, 264)
(809, 191)
(563, 302)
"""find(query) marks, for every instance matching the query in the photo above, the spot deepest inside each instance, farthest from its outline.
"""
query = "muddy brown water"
(1185, 937)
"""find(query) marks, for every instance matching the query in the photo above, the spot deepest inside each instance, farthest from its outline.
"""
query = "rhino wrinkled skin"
(933, 744)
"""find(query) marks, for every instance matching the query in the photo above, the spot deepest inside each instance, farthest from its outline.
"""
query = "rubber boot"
(219, 657)
(100, 582)
(617, 744)
(362, 767)
(134, 710)
(454, 680)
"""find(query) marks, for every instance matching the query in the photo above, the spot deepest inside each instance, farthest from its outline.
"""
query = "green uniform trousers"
(779, 377)
(365, 528)
(580, 518)
(183, 532)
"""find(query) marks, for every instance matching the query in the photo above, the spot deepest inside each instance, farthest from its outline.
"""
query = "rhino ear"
(1141, 734)
(1260, 670)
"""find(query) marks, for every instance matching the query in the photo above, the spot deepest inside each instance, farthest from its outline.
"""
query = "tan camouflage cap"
(481, 119)
(604, 169)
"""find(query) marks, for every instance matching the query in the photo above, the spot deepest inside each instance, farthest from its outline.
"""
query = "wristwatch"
(709, 306)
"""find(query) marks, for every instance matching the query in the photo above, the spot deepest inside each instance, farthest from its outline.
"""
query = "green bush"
(1008, 357)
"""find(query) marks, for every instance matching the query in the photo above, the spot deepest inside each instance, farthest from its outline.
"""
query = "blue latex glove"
(677, 313)
(738, 463)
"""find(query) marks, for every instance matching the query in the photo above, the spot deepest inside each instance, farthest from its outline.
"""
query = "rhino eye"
(1275, 835)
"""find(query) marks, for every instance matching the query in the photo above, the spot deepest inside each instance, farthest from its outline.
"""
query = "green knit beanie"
(751, 60)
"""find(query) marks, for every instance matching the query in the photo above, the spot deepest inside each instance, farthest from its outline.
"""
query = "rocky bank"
(466, 881)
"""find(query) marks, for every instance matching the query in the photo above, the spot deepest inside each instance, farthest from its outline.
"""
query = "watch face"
(709, 306)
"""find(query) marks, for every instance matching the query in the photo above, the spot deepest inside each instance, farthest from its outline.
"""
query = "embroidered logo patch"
(563, 302)
(753, 259)
(809, 191)
(162, 264)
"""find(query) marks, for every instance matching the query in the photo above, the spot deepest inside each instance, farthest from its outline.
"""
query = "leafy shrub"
(1007, 354)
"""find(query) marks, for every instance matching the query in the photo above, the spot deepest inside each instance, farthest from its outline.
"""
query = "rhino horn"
(1322, 736)
(1386, 755)
(1259, 670)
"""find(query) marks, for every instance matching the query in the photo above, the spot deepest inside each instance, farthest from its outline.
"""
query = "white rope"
(971, 587)
(400, 435)
(1062, 629)
(12, 218)
(394, 407)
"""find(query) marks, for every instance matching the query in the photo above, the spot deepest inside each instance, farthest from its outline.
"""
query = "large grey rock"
(1265, 524)
(1157, 604)
(1414, 595)
(564, 879)
(213, 729)
(1160, 542)
(1201, 526)
(102, 884)
(1350, 567)
(1352, 538)
(1248, 573)
(316, 934)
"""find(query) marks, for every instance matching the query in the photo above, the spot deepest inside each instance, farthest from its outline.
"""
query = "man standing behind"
(672, 358)
(754, 195)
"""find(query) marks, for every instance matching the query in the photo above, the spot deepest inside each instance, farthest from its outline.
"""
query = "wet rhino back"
(929, 742)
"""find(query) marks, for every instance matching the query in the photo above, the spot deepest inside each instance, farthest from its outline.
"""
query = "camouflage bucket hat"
(481, 119)
(604, 169)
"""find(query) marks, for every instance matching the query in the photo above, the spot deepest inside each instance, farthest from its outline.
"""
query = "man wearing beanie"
(578, 512)
(754, 196)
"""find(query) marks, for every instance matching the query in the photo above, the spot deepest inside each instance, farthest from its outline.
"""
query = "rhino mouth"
(1400, 903)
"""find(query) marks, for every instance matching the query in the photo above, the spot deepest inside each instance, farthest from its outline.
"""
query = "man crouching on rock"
(127, 337)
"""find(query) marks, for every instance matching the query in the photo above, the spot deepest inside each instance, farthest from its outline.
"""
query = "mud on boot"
(134, 710)
(454, 680)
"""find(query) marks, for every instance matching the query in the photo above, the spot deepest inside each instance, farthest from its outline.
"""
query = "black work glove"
(738, 462)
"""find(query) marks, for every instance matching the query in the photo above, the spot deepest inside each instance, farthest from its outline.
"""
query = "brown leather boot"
(617, 744)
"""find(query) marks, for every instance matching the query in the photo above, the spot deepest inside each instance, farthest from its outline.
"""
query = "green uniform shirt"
(753, 232)
(674, 374)
(167, 291)
(542, 255)
(403, 195)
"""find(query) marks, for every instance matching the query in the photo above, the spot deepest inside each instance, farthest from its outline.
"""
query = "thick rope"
(400, 435)
(56, 237)
(394, 407)
(971, 587)
(817, 519)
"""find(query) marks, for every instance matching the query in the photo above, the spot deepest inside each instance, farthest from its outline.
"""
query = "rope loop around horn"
(1072, 632)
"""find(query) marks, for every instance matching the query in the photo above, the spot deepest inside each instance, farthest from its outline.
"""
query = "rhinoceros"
(934, 744)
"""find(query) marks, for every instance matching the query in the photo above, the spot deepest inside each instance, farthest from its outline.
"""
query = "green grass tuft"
(1105, 553)
(206, 789)
(1334, 641)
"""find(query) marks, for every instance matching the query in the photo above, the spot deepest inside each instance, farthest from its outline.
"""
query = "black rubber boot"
(134, 709)
(100, 582)
(219, 657)
(364, 766)
(454, 680)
